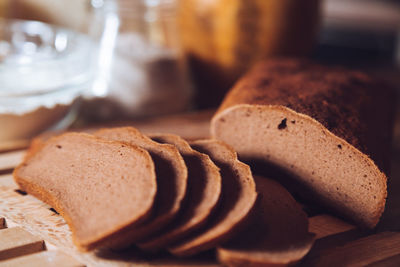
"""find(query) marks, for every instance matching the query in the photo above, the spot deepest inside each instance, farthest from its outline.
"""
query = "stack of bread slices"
(118, 187)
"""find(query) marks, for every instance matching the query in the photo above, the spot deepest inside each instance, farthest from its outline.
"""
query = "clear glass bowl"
(43, 71)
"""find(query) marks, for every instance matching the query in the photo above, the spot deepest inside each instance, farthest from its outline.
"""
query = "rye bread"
(277, 236)
(36, 144)
(171, 175)
(89, 181)
(237, 200)
(204, 190)
(328, 127)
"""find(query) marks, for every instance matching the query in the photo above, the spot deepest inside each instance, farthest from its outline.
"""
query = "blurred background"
(120, 60)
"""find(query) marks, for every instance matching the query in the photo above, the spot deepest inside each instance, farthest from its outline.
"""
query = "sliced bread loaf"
(171, 175)
(204, 190)
(278, 234)
(89, 181)
(328, 127)
(237, 200)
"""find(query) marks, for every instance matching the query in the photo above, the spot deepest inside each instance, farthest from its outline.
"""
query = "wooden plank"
(42, 259)
(7, 182)
(2, 223)
(190, 126)
(325, 225)
(10, 160)
(388, 262)
(390, 218)
(332, 241)
(34, 215)
(16, 242)
(7, 146)
(330, 232)
(361, 252)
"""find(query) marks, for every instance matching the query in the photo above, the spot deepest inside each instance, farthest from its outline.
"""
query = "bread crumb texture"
(329, 127)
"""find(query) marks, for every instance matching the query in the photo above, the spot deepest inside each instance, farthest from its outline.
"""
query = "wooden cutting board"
(33, 234)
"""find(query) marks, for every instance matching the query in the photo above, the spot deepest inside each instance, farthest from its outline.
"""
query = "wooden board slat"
(393, 261)
(7, 182)
(332, 241)
(16, 242)
(42, 259)
(6, 146)
(326, 225)
(36, 217)
(2, 223)
(10, 160)
(330, 232)
(190, 126)
(361, 252)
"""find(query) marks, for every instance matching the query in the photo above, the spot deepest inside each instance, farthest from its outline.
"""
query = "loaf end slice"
(278, 234)
(89, 181)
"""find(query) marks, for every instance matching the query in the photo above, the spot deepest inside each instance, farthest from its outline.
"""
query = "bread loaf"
(89, 181)
(330, 128)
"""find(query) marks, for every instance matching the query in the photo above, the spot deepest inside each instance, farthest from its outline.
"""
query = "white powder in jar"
(145, 79)
(41, 76)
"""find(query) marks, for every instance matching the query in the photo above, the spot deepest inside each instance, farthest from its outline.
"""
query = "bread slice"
(89, 181)
(38, 142)
(171, 175)
(204, 191)
(278, 234)
(328, 127)
(238, 198)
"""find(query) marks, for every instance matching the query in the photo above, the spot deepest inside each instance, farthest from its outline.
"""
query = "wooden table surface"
(32, 234)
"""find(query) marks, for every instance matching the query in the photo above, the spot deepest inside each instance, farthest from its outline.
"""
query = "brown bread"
(38, 142)
(278, 234)
(89, 181)
(328, 127)
(204, 190)
(171, 175)
(237, 200)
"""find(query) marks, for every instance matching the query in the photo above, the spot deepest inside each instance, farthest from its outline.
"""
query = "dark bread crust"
(341, 100)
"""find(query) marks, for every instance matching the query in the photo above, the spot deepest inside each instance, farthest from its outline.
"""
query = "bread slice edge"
(288, 115)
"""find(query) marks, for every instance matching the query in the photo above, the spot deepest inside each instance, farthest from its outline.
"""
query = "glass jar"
(141, 71)
(222, 39)
(44, 69)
